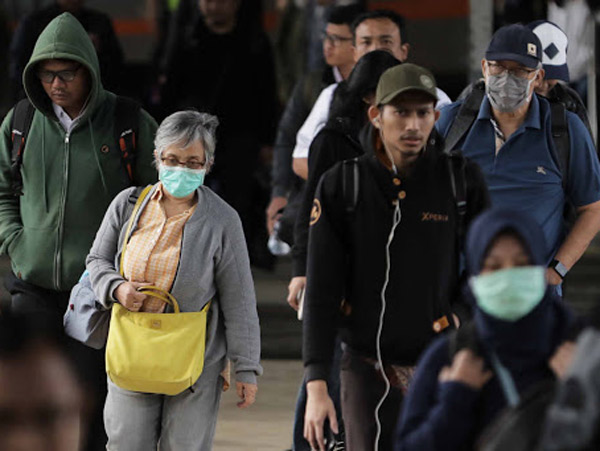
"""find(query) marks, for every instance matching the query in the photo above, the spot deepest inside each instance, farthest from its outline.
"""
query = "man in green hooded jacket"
(71, 170)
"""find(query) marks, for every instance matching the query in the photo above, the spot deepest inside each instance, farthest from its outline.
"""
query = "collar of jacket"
(392, 184)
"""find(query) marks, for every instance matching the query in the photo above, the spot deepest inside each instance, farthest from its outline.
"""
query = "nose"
(57, 82)
(412, 122)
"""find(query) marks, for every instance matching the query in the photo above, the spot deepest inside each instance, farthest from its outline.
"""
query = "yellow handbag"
(155, 352)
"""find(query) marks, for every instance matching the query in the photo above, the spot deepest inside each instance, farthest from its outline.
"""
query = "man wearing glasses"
(339, 56)
(71, 170)
(511, 140)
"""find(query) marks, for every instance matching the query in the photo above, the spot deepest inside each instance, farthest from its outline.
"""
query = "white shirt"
(64, 118)
(318, 116)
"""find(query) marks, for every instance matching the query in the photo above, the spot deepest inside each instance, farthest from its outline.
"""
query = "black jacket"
(347, 259)
(231, 76)
(337, 141)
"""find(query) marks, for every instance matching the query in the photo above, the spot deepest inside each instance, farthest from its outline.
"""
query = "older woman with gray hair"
(189, 242)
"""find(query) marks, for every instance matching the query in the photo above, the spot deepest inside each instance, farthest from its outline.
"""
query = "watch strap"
(559, 268)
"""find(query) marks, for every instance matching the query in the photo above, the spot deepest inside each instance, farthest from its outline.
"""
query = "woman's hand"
(467, 368)
(562, 359)
(129, 297)
(247, 394)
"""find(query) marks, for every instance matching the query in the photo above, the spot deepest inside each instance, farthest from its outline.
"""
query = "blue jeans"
(333, 387)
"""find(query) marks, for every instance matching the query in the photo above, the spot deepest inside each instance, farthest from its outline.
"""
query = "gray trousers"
(146, 422)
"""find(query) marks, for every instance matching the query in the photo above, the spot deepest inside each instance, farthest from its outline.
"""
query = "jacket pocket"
(13, 243)
(32, 256)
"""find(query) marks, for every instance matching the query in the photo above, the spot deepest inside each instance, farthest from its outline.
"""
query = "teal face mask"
(180, 182)
(510, 294)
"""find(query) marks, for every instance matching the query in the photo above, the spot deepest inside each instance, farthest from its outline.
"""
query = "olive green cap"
(402, 78)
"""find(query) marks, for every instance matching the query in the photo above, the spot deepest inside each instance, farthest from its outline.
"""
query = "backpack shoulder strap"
(126, 127)
(560, 136)
(350, 184)
(20, 124)
(458, 182)
(466, 116)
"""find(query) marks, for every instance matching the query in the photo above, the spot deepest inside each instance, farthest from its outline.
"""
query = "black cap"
(515, 43)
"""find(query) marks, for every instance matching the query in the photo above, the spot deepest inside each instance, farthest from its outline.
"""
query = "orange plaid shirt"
(152, 254)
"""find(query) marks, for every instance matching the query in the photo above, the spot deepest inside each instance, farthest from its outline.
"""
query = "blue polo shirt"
(524, 175)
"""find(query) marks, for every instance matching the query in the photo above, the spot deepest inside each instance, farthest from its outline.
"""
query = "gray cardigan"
(213, 265)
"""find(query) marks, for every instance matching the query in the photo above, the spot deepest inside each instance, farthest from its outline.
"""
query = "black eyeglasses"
(190, 164)
(48, 76)
(499, 69)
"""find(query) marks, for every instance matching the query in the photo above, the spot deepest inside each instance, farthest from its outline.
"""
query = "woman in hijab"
(518, 324)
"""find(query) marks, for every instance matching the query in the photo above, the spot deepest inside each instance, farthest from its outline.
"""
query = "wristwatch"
(560, 269)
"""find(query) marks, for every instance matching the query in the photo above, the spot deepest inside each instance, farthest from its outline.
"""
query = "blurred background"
(447, 36)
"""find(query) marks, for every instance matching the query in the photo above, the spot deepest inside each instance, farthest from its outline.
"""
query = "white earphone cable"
(396, 221)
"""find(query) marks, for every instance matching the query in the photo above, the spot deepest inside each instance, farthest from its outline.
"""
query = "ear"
(483, 61)
(539, 78)
(404, 51)
(437, 114)
(374, 116)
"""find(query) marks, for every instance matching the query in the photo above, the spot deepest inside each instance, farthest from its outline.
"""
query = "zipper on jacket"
(61, 216)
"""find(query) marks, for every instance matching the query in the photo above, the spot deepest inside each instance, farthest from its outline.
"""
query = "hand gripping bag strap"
(465, 117)
(21, 122)
(156, 352)
(126, 126)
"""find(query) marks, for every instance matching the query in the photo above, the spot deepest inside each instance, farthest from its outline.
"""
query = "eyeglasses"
(334, 39)
(190, 164)
(499, 69)
(48, 76)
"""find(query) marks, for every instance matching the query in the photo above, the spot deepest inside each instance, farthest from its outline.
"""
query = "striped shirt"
(152, 254)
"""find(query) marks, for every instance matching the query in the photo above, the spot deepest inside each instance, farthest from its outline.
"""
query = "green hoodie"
(69, 179)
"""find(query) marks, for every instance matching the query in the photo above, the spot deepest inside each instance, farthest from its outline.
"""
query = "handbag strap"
(506, 381)
(161, 294)
(136, 208)
(150, 289)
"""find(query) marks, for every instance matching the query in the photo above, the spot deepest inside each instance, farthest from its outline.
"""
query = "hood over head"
(530, 341)
(486, 227)
(63, 38)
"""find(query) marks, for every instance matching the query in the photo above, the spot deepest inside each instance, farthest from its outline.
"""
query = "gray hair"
(185, 127)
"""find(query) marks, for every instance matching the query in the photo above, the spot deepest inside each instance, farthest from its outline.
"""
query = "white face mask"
(507, 92)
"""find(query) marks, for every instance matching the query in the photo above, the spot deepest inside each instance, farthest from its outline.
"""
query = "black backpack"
(126, 126)
(458, 181)
(469, 110)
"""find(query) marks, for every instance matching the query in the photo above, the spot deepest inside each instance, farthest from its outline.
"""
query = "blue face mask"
(180, 182)
(510, 294)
